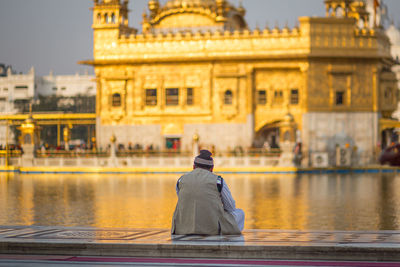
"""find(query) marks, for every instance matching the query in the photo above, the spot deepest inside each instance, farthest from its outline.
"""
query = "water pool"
(270, 201)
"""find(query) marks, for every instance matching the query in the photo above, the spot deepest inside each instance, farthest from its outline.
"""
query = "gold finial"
(221, 9)
(144, 16)
(196, 137)
(154, 7)
(266, 25)
(113, 138)
(241, 9)
(276, 25)
(286, 24)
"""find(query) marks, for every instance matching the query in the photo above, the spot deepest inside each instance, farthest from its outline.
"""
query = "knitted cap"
(204, 158)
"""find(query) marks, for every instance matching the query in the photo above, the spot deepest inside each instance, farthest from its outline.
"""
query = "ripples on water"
(306, 202)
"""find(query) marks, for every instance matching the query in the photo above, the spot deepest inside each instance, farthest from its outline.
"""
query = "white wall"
(324, 130)
(62, 85)
(66, 85)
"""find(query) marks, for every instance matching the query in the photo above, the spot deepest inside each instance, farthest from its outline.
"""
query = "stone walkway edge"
(253, 244)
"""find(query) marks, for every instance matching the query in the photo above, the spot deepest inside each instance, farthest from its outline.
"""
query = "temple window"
(339, 98)
(116, 100)
(21, 87)
(98, 18)
(54, 88)
(151, 97)
(278, 96)
(106, 18)
(172, 96)
(294, 96)
(189, 96)
(228, 97)
(112, 18)
(261, 97)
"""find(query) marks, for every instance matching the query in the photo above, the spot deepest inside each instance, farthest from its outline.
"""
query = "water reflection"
(325, 202)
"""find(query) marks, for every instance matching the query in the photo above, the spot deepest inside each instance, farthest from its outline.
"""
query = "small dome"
(394, 35)
(193, 15)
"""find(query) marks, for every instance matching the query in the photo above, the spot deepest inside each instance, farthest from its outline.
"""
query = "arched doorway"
(267, 136)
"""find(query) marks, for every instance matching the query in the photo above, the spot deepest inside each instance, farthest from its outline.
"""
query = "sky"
(53, 35)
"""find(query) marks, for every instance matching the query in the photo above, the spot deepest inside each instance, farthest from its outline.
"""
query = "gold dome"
(193, 15)
(190, 3)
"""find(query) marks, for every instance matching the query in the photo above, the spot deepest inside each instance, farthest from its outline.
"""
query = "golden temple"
(196, 69)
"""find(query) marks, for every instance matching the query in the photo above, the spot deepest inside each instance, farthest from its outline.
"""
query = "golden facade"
(196, 68)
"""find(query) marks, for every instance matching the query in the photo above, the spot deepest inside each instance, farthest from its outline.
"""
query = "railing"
(10, 153)
(253, 152)
(153, 153)
(250, 152)
(139, 158)
(71, 154)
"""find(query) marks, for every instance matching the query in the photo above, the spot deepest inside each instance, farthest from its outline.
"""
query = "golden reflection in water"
(320, 202)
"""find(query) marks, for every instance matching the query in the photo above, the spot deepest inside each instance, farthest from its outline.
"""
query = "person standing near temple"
(205, 204)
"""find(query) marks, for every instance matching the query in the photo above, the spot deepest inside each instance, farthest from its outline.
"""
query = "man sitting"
(205, 204)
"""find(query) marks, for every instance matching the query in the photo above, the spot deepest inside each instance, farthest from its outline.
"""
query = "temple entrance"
(389, 132)
(388, 137)
(173, 143)
(267, 137)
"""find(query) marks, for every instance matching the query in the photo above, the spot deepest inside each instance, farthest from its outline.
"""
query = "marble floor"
(163, 236)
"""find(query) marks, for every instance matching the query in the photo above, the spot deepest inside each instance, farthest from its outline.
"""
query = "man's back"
(199, 209)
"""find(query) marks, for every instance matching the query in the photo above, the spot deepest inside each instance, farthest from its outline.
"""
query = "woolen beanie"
(204, 158)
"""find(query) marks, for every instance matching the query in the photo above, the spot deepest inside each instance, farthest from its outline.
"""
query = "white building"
(17, 91)
(66, 85)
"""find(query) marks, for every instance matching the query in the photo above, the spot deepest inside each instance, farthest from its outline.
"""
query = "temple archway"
(267, 136)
